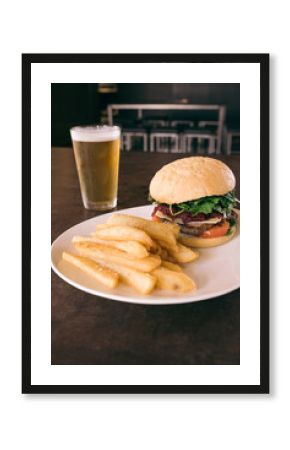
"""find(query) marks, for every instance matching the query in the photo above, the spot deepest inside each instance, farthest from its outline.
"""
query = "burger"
(197, 193)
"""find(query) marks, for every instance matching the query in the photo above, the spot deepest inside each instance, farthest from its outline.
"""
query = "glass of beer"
(97, 154)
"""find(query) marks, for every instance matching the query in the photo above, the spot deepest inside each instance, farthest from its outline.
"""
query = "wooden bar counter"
(93, 330)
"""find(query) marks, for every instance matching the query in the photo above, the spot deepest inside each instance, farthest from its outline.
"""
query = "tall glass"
(97, 154)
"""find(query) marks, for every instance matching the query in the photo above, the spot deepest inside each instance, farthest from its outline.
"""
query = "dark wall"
(74, 104)
(71, 104)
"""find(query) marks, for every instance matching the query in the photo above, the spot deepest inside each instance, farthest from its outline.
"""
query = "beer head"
(95, 133)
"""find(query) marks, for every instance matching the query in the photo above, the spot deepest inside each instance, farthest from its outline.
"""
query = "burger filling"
(205, 217)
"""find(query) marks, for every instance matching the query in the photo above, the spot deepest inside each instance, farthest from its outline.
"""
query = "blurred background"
(178, 118)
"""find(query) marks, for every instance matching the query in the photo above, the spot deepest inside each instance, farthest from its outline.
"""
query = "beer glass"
(97, 154)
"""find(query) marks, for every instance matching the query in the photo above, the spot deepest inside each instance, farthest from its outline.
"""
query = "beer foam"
(97, 133)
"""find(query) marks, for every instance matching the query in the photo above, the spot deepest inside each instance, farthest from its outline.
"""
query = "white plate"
(216, 272)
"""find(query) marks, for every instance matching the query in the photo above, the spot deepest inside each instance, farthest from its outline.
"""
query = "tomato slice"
(217, 231)
(156, 218)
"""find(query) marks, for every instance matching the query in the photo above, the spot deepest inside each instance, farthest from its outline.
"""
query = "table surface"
(92, 330)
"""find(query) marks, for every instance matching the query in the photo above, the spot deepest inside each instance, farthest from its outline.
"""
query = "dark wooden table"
(92, 330)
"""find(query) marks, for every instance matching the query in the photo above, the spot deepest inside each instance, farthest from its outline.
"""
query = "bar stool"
(182, 124)
(164, 141)
(129, 138)
(155, 123)
(229, 139)
(213, 124)
(189, 136)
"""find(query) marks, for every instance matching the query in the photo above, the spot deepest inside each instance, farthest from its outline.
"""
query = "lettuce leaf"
(223, 204)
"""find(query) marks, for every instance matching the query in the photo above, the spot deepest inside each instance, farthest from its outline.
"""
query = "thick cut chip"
(124, 233)
(157, 230)
(105, 253)
(184, 254)
(144, 283)
(132, 248)
(103, 275)
(170, 280)
(171, 266)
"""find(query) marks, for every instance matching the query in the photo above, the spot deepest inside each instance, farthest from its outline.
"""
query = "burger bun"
(191, 178)
(199, 242)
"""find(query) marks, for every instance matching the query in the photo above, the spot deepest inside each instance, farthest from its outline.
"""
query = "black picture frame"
(263, 61)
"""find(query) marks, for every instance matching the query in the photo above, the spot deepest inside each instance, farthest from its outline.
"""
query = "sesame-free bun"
(199, 242)
(191, 178)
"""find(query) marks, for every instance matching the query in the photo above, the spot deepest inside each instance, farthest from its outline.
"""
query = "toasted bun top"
(191, 178)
